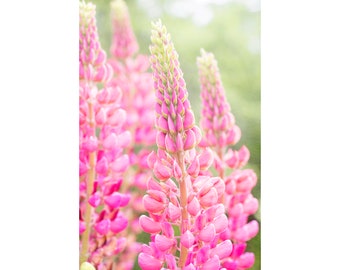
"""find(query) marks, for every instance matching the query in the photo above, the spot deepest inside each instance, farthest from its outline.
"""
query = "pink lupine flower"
(220, 133)
(181, 196)
(101, 158)
(124, 43)
(132, 78)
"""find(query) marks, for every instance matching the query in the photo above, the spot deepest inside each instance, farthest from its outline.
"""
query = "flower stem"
(91, 175)
(183, 203)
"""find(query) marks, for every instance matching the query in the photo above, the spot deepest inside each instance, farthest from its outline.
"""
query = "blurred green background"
(228, 28)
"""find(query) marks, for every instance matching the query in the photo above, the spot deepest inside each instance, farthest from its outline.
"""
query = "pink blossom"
(220, 133)
(180, 196)
(101, 158)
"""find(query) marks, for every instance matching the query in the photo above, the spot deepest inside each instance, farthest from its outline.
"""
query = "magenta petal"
(187, 239)
(161, 171)
(110, 142)
(179, 142)
(206, 158)
(173, 211)
(213, 263)
(82, 227)
(189, 120)
(148, 262)
(170, 144)
(208, 233)
(209, 198)
(221, 223)
(190, 140)
(149, 225)
(160, 140)
(194, 167)
(102, 166)
(162, 124)
(113, 201)
(94, 200)
(250, 205)
(124, 139)
(103, 226)
(177, 170)
(189, 267)
(224, 249)
(163, 243)
(238, 249)
(152, 205)
(124, 199)
(194, 207)
(246, 260)
(120, 164)
(118, 224)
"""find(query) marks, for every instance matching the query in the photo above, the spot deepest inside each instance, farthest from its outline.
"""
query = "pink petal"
(102, 166)
(118, 224)
(207, 234)
(152, 205)
(194, 207)
(148, 262)
(187, 239)
(160, 140)
(113, 201)
(120, 164)
(246, 260)
(103, 226)
(173, 212)
(221, 223)
(149, 225)
(209, 198)
(190, 140)
(177, 172)
(213, 263)
(110, 142)
(161, 171)
(94, 200)
(189, 120)
(163, 243)
(206, 158)
(170, 145)
(223, 250)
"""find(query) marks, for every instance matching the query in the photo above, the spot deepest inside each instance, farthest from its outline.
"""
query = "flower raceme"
(132, 76)
(220, 132)
(187, 221)
(101, 151)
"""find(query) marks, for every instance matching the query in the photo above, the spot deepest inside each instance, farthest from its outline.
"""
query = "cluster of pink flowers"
(220, 132)
(131, 75)
(144, 164)
(182, 198)
(101, 144)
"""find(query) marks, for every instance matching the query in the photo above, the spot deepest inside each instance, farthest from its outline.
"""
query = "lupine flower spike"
(220, 132)
(187, 221)
(101, 144)
(132, 76)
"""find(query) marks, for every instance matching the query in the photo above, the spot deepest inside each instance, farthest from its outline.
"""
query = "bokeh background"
(231, 30)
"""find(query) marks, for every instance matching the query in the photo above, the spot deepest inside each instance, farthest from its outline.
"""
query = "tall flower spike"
(124, 42)
(182, 197)
(132, 76)
(92, 58)
(175, 119)
(220, 132)
(102, 161)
